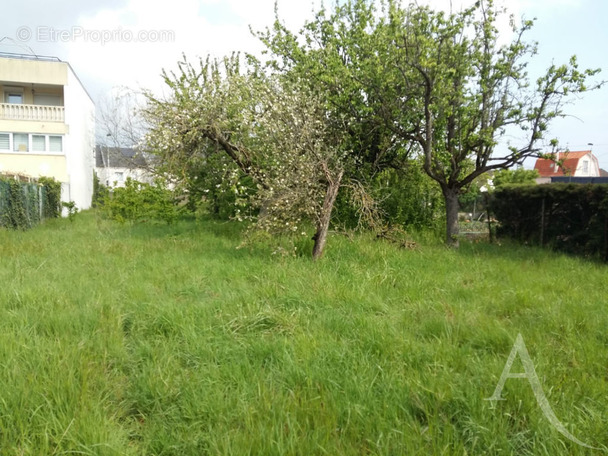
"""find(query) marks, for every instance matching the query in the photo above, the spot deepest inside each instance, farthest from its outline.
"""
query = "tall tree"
(467, 91)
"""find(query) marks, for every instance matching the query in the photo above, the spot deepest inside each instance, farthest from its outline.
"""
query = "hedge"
(25, 204)
(568, 217)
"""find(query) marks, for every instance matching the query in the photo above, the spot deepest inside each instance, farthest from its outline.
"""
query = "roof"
(603, 173)
(119, 157)
(46, 58)
(548, 168)
(579, 180)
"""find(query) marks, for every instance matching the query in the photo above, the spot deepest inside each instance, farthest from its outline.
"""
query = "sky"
(127, 43)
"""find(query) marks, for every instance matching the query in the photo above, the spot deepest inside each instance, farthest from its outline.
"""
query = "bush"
(567, 217)
(101, 193)
(51, 197)
(24, 204)
(138, 201)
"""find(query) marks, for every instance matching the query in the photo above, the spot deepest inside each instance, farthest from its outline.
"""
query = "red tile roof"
(548, 168)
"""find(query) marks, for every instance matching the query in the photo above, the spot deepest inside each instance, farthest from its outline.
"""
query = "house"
(574, 164)
(114, 165)
(47, 124)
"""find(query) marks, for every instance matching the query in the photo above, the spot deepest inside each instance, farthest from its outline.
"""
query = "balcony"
(40, 113)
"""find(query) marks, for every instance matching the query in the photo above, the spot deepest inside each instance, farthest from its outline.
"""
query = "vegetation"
(165, 339)
(461, 91)
(24, 204)
(515, 176)
(140, 201)
(273, 133)
(355, 96)
(567, 217)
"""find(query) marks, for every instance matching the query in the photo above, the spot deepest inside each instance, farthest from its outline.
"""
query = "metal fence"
(21, 203)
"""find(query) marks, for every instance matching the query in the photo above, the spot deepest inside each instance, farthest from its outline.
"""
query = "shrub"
(141, 202)
(101, 193)
(24, 204)
(51, 197)
(568, 217)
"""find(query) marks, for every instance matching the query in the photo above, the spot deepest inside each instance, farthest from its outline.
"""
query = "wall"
(107, 176)
(80, 143)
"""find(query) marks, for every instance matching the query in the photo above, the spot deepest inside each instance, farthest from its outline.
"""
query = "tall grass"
(168, 340)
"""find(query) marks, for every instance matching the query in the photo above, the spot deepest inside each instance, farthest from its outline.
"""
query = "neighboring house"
(573, 164)
(114, 165)
(47, 124)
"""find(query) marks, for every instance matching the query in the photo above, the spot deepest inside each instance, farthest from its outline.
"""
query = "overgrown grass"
(167, 340)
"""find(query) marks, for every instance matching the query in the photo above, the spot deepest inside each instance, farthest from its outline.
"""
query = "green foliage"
(461, 90)
(142, 202)
(101, 193)
(52, 197)
(23, 205)
(70, 206)
(409, 198)
(515, 176)
(568, 217)
(342, 55)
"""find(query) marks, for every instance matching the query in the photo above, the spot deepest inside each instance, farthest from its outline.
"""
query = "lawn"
(168, 340)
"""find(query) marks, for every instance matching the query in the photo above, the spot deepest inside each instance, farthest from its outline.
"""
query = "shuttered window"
(55, 144)
(5, 141)
(38, 143)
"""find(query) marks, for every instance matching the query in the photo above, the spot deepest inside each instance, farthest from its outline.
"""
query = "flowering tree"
(273, 132)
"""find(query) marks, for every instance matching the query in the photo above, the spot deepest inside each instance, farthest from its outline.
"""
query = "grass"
(167, 340)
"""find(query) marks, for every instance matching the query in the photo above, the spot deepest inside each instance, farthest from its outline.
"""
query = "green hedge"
(567, 217)
(24, 204)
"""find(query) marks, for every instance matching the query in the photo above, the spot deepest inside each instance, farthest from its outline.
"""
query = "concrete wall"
(33, 72)
(35, 165)
(80, 142)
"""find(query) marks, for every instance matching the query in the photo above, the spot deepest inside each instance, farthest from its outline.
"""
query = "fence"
(25, 203)
(568, 217)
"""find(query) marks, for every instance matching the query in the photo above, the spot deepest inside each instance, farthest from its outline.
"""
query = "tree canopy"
(358, 93)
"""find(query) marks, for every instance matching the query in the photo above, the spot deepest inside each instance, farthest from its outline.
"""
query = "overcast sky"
(127, 42)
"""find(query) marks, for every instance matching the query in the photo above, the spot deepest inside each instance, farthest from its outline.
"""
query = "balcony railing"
(9, 111)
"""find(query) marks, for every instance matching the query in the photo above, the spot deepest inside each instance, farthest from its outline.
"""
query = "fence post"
(606, 238)
(487, 201)
(542, 223)
(40, 205)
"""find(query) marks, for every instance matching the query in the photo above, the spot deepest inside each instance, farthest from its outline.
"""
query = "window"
(38, 143)
(45, 99)
(13, 95)
(26, 142)
(585, 166)
(20, 142)
(5, 141)
(55, 144)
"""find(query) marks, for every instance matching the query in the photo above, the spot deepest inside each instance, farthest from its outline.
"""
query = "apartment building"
(47, 124)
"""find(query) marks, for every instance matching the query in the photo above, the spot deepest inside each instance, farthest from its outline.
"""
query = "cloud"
(150, 37)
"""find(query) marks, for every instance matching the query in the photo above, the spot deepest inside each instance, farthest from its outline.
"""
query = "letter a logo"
(530, 373)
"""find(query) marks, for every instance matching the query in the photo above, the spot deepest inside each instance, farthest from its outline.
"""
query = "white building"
(576, 164)
(47, 124)
(114, 165)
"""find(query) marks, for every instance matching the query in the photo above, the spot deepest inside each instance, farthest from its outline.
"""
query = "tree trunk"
(320, 237)
(451, 216)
